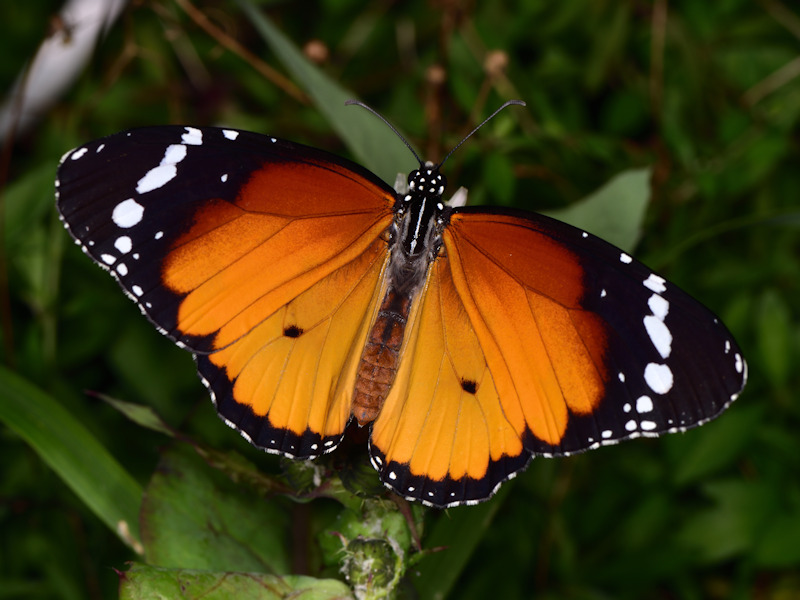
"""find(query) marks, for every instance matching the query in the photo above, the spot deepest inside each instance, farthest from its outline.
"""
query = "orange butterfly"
(311, 293)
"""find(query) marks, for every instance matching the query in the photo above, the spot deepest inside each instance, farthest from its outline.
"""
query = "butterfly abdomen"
(381, 356)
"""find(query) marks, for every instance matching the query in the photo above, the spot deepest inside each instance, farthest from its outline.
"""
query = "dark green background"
(704, 93)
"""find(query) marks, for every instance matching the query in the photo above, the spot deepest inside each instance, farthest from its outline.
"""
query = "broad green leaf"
(699, 454)
(143, 582)
(736, 518)
(73, 453)
(373, 143)
(615, 212)
(454, 538)
(195, 517)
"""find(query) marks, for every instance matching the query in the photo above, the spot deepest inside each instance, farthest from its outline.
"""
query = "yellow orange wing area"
(284, 282)
(498, 350)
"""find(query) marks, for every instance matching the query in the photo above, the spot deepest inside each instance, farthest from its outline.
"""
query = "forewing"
(587, 345)
(244, 249)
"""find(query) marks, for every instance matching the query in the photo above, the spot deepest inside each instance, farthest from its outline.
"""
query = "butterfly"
(312, 294)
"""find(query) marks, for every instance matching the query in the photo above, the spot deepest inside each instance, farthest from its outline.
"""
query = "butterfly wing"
(553, 342)
(260, 256)
(441, 436)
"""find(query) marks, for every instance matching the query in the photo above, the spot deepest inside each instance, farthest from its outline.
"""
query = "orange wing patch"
(442, 433)
(278, 289)
(545, 352)
(288, 382)
(240, 262)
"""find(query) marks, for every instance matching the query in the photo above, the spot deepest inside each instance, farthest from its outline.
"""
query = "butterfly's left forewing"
(261, 256)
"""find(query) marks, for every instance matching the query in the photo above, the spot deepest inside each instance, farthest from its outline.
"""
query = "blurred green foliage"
(707, 95)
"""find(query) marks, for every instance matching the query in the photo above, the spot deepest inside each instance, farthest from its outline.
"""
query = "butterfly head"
(427, 181)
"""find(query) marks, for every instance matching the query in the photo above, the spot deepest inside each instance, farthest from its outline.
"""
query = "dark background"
(706, 94)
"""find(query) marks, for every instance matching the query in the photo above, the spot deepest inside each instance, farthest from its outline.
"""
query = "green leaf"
(731, 525)
(699, 454)
(74, 454)
(195, 517)
(142, 415)
(615, 212)
(26, 201)
(454, 537)
(373, 143)
(778, 547)
(142, 582)
(774, 330)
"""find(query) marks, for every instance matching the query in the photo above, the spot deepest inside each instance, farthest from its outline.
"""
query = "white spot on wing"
(137, 291)
(658, 305)
(166, 171)
(78, 153)
(739, 363)
(655, 283)
(122, 269)
(659, 334)
(624, 258)
(156, 178)
(658, 377)
(644, 404)
(193, 136)
(108, 259)
(127, 213)
(631, 425)
(123, 244)
(175, 153)
(230, 134)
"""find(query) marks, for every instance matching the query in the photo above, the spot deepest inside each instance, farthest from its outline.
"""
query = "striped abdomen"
(381, 356)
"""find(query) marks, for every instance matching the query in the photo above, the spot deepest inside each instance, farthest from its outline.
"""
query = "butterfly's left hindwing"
(239, 246)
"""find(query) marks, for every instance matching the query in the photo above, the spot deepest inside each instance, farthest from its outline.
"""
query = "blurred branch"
(783, 16)
(233, 46)
(772, 82)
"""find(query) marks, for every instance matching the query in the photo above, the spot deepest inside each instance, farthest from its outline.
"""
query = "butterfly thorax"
(414, 242)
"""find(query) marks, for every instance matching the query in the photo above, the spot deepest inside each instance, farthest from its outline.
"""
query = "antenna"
(486, 120)
(382, 118)
(457, 146)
